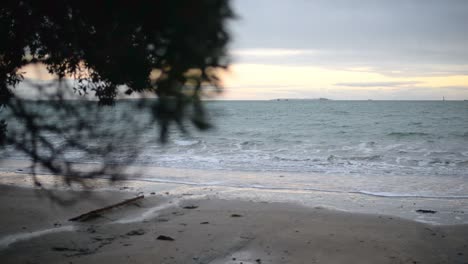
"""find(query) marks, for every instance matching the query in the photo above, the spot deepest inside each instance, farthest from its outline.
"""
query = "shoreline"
(209, 229)
(304, 181)
(449, 210)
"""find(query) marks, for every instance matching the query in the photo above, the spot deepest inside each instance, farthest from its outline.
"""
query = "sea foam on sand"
(184, 228)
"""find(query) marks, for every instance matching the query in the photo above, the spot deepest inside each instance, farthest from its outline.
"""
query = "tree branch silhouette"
(169, 50)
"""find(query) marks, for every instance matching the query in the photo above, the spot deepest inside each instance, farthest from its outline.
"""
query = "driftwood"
(95, 213)
(424, 211)
(166, 238)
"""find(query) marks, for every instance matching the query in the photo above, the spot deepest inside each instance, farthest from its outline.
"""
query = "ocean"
(328, 137)
(416, 149)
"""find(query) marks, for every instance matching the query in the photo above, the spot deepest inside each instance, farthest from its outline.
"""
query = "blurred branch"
(168, 49)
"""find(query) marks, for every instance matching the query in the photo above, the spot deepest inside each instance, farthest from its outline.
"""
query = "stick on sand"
(95, 213)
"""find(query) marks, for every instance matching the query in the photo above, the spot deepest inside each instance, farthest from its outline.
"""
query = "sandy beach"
(165, 228)
(234, 132)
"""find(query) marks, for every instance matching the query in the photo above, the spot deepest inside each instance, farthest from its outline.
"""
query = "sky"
(349, 49)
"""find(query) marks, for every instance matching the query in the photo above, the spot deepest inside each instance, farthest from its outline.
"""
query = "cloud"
(387, 64)
(270, 52)
(377, 84)
(456, 88)
(39, 89)
(398, 93)
(264, 86)
(246, 81)
(398, 37)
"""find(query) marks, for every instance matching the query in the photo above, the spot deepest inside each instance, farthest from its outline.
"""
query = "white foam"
(154, 211)
(186, 142)
(150, 213)
(403, 195)
(10, 239)
(214, 183)
(290, 188)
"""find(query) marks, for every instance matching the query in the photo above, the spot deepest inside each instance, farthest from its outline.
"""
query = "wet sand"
(165, 228)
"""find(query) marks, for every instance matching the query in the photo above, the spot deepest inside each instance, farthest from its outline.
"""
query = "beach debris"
(95, 213)
(190, 207)
(424, 211)
(236, 215)
(204, 223)
(137, 232)
(99, 238)
(80, 250)
(61, 249)
(165, 238)
(177, 213)
(152, 193)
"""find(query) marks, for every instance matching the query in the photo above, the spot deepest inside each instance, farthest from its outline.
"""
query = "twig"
(95, 213)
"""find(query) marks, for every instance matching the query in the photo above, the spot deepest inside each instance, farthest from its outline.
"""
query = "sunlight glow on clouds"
(271, 52)
(258, 81)
(353, 49)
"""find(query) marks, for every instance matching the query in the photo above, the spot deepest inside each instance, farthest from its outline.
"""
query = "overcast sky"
(349, 49)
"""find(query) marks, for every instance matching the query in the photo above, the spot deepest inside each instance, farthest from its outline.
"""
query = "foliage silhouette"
(171, 50)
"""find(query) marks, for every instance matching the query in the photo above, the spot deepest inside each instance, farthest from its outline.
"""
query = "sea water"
(400, 149)
(327, 137)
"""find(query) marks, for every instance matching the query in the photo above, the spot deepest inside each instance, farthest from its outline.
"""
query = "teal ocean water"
(387, 148)
(331, 137)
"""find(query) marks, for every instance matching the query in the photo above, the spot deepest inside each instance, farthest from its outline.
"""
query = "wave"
(462, 163)
(341, 112)
(186, 142)
(369, 158)
(415, 123)
(249, 144)
(293, 189)
(383, 190)
(290, 159)
(407, 134)
(331, 158)
(439, 161)
(464, 135)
